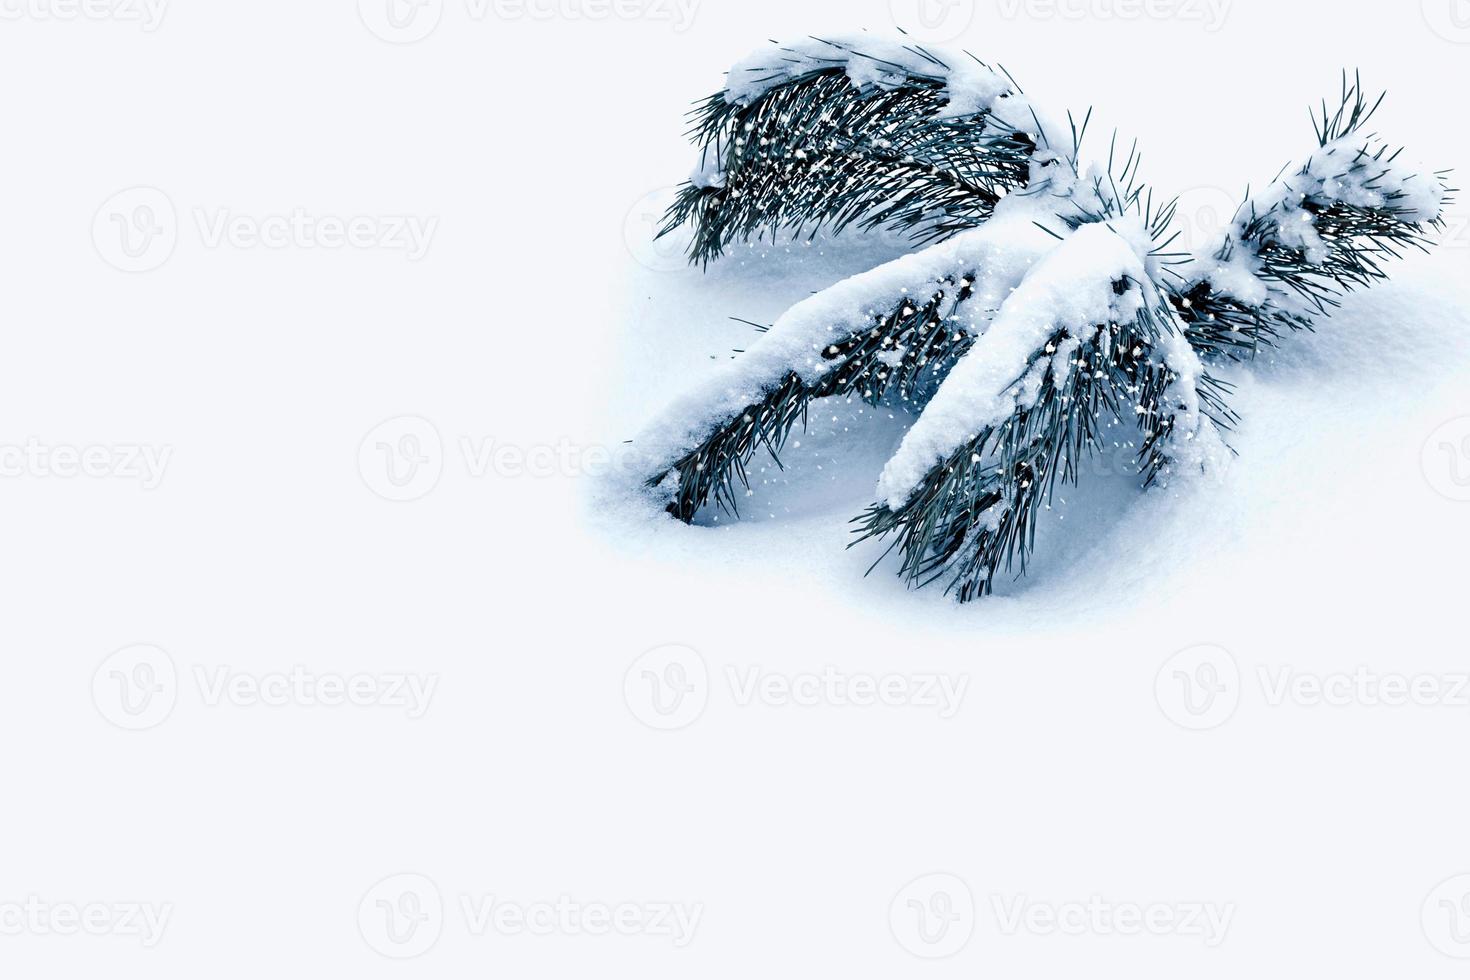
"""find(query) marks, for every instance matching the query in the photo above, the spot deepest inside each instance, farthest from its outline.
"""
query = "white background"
(537, 318)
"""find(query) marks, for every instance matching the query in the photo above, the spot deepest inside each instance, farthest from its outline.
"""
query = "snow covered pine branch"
(1041, 304)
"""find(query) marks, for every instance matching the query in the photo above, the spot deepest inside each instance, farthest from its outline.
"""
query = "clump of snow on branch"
(1070, 290)
(710, 171)
(971, 87)
(1195, 446)
(995, 256)
(1346, 171)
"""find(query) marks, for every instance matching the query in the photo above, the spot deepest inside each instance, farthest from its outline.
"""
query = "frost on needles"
(1040, 305)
